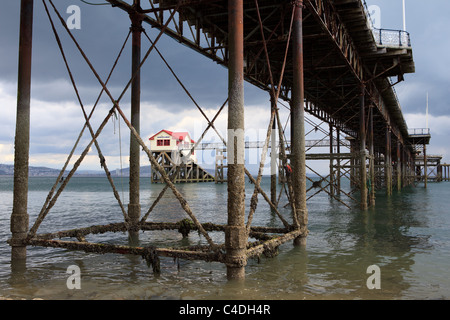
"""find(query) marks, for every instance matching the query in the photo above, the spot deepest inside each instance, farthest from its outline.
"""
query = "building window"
(162, 142)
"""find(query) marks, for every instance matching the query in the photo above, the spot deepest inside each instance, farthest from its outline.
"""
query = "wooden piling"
(19, 216)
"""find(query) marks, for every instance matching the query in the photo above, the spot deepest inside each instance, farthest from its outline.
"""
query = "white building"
(178, 144)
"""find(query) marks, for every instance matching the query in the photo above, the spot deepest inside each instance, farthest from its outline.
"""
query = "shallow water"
(405, 235)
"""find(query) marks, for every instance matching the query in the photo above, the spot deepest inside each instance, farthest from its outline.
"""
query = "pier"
(320, 57)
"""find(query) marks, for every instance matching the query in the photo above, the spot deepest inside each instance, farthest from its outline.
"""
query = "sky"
(56, 117)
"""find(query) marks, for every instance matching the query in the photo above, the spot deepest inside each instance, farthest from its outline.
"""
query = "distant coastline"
(8, 170)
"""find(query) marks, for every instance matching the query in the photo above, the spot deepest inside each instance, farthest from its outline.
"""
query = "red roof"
(175, 135)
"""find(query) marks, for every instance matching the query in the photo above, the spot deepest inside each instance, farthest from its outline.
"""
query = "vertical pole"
(331, 162)
(388, 163)
(404, 16)
(338, 161)
(134, 207)
(298, 158)
(371, 159)
(353, 163)
(235, 232)
(19, 216)
(399, 171)
(425, 165)
(273, 158)
(363, 173)
(409, 169)
(404, 167)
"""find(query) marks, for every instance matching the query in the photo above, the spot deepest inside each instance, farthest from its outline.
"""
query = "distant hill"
(8, 170)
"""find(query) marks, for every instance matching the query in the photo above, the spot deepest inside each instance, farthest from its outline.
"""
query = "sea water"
(405, 235)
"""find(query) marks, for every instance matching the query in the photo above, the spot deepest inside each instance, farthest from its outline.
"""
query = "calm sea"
(406, 236)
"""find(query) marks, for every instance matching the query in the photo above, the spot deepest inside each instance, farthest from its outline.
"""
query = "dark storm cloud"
(102, 34)
(103, 30)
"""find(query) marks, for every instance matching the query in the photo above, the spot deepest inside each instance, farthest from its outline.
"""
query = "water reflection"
(398, 235)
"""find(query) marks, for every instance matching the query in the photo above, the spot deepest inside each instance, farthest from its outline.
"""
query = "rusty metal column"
(338, 161)
(425, 166)
(371, 160)
(134, 207)
(331, 162)
(235, 232)
(362, 136)
(273, 156)
(298, 158)
(399, 171)
(404, 167)
(388, 163)
(353, 162)
(19, 216)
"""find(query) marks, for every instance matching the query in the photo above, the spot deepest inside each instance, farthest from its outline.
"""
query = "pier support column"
(399, 170)
(298, 158)
(362, 150)
(331, 162)
(371, 160)
(388, 163)
(338, 161)
(19, 216)
(134, 207)
(353, 162)
(425, 166)
(235, 232)
(273, 157)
